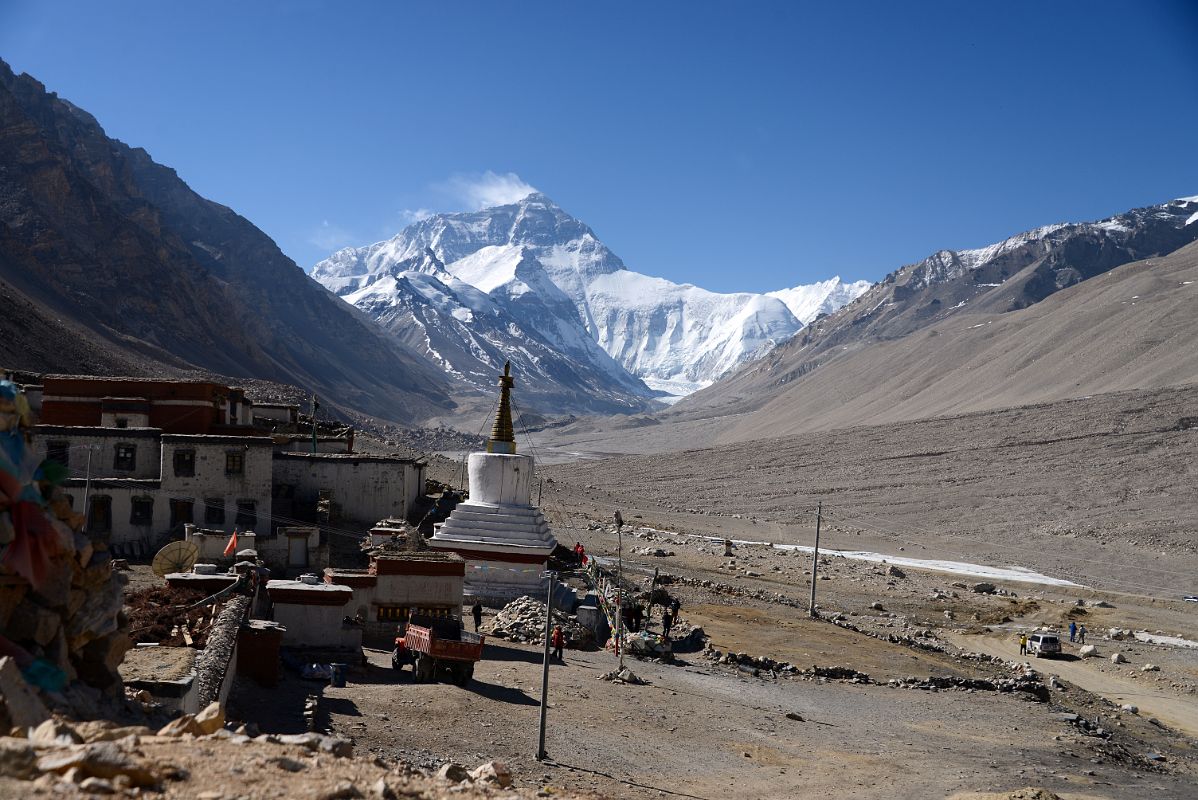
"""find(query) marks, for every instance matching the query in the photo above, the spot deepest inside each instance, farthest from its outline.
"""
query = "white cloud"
(328, 236)
(475, 191)
(411, 215)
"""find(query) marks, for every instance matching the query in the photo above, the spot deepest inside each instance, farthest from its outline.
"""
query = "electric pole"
(315, 405)
(87, 489)
(620, 587)
(541, 754)
(819, 515)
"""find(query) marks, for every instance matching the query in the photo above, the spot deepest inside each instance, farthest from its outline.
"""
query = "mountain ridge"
(665, 336)
(102, 244)
(817, 379)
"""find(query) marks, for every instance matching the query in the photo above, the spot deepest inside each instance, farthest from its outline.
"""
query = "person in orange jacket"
(558, 641)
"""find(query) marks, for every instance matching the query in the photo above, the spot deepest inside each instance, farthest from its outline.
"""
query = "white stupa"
(503, 538)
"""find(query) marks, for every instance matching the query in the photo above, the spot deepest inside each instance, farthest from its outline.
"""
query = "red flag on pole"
(231, 547)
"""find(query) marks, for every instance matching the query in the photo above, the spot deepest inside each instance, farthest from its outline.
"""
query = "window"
(214, 511)
(181, 512)
(185, 463)
(122, 422)
(235, 462)
(99, 518)
(247, 514)
(142, 511)
(125, 457)
(59, 451)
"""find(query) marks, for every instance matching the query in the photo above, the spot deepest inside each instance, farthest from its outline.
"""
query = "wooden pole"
(819, 515)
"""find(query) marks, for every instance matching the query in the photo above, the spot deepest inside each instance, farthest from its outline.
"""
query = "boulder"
(983, 588)
(1117, 658)
(17, 758)
(495, 772)
(1150, 668)
(53, 733)
(1088, 651)
(24, 708)
(100, 760)
(211, 719)
(453, 772)
(183, 725)
(894, 571)
(1129, 708)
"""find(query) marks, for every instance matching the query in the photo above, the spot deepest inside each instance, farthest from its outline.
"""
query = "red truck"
(435, 646)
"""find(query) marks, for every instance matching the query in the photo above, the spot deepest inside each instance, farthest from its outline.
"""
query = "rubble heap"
(523, 620)
(61, 623)
(104, 758)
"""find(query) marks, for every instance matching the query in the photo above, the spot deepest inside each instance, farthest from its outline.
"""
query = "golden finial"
(503, 435)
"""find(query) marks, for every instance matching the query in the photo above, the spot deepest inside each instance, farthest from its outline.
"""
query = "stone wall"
(60, 600)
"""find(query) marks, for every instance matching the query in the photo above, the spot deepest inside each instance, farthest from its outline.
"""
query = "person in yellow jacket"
(1023, 644)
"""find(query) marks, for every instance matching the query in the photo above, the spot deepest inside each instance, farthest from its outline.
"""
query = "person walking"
(667, 621)
(1072, 631)
(1081, 634)
(1023, 644)
(558, 641)
(477, 611)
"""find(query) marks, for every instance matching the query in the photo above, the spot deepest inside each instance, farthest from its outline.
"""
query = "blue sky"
(738, 146)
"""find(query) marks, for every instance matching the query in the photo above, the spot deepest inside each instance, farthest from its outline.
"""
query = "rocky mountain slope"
(1061, 311)
(113, 264)
(549, 272)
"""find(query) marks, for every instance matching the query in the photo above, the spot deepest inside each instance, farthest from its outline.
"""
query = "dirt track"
(1180, 712)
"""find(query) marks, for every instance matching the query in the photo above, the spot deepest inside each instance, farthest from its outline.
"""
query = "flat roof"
(219, 438)
(347, 457)
(96, 430)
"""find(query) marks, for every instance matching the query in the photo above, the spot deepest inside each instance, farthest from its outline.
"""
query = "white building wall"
(367, 488)
(211, 481)
(102, 445)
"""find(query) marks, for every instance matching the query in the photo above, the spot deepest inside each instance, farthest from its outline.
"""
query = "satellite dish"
(175, 557)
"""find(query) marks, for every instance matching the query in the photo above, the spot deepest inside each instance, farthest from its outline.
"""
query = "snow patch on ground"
(1009, 573)
(1172, 641)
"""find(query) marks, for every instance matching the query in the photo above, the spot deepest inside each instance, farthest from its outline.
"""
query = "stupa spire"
(503, 435)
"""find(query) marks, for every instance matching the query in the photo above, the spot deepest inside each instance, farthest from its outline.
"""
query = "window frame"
(122, 453)
(247, 514)
(234, 457)
(214, 511)
(146, 503)
(190, 472)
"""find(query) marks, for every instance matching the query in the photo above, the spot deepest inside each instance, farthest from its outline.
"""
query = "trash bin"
(338, 678)
(258, 644)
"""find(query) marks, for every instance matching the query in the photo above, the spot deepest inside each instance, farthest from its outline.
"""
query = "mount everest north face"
(530, 283)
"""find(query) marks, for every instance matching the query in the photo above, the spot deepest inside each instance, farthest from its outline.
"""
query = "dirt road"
(1177, 711)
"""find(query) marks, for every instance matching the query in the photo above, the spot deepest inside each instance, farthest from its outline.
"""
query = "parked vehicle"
(438, 647)
(1043, 644)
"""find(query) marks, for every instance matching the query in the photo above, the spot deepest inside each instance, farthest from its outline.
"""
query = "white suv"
(1043, 644)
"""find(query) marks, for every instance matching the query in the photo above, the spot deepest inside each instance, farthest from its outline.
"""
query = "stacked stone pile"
(61, 758)
(523, 620)
(60, 601)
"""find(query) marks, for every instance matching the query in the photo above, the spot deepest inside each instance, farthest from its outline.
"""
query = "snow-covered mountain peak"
(548, 274)
(810, 301)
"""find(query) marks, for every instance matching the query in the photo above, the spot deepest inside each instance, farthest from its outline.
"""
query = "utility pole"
(819, 515)
(620, 587)
(541, 754)
(315, 405)
(87, 488)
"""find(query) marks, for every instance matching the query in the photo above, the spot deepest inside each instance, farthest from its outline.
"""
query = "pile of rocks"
(523, 620)
(60, 600)
(104, 758)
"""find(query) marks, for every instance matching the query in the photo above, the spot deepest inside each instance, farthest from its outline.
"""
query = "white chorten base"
(505, 541)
